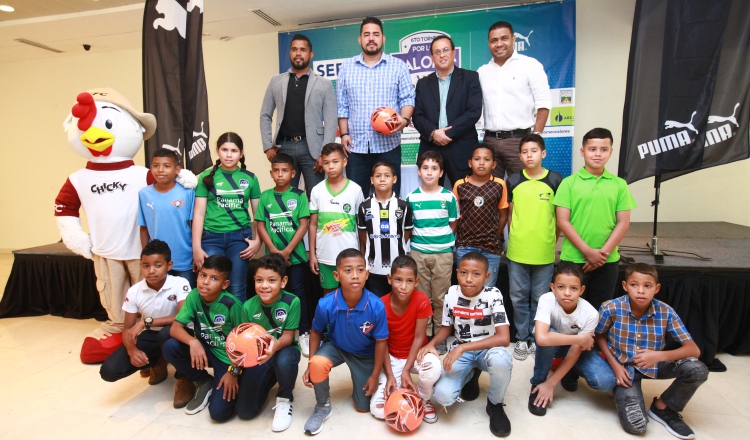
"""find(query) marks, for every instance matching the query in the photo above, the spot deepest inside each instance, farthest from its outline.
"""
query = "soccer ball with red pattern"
(404, 410)
(246, 343)
(384, 120)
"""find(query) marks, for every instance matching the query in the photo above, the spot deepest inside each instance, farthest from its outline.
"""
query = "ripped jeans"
(496, 361)
(689, 374)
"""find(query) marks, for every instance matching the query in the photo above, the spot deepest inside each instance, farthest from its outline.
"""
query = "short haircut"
(476, 256)
(348, 253)
(274, 262)
(430, 155)
(157, 247)
(219, 263)
(282, 158)
(371, 20)
(645, 269)
(332, 148)
(499, 25)
(404, 262)
(164, 152)
(384, 163)
(442, 37)
(598, 133)
(300, 37)
(533, 137)
(480, 146)
(568, 268)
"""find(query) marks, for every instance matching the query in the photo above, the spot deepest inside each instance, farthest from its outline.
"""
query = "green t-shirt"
(432, 213)
(212, 322)
(281, 213)
(228, 201)
(532, 235)
(276, 318)
(594, 204)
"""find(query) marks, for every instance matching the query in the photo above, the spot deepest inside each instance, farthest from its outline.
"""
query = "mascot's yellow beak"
(97, 139)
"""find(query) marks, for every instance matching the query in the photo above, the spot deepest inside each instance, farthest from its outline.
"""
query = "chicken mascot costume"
(104, 128)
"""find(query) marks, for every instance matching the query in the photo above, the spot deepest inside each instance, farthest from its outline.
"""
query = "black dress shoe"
(534, 409)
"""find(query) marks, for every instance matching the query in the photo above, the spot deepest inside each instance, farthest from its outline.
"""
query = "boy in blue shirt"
(357, 335)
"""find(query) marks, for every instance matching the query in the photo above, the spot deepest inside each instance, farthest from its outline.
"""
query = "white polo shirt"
(148, 302)
(513, 93)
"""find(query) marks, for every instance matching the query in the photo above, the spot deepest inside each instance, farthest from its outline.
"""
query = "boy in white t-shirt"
(564, 328)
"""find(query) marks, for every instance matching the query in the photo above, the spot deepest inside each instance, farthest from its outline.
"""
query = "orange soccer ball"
(384, 120)
(404, 410)
(246, 343)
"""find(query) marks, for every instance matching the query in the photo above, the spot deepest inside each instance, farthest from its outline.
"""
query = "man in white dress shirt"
(516, 98)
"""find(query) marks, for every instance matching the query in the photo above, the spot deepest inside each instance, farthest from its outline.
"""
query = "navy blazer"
(463, 109)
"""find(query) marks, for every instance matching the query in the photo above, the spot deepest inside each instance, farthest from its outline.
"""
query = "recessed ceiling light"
(6, 8)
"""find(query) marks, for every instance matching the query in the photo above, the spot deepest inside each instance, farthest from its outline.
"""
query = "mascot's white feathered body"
(104, 128)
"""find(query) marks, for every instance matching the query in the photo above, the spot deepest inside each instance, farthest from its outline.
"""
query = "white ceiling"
(111, 25)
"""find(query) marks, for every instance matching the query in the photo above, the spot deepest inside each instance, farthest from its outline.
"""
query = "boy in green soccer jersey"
(213, 313)
(283, 218)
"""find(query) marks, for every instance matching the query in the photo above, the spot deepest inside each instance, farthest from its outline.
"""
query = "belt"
(292, 138)
(507, 134)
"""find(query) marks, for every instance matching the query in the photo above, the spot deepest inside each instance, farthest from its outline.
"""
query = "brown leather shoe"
(184, 390)
(158, 372)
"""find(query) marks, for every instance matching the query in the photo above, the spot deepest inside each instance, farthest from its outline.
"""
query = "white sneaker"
(430, 413)
(532, 350)
(282, 418)
(521, 350)
(304, 344)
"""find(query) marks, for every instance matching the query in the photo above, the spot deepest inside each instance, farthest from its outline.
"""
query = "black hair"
(219, 263)
(476, 256)
(371, 20)
(568, 268)
(481, 145)
(442, 37)
(499, 25)
(282, 158)
(384, 163)
(404, 262)
(332, 148)
(164, 152)
(348, 253)
(430, 155)
(274, 262)
(300, 37)
(532, 137)
(223, 139)
(598, 133)
(644, 268)
(157, 247)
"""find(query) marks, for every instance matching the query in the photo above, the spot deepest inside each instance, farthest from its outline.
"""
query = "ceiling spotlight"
(6, 8)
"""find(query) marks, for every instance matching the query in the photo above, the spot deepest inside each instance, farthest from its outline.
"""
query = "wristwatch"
(148, 321)
(234, 370)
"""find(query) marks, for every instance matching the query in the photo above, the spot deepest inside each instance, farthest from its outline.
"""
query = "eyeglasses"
(442, 51)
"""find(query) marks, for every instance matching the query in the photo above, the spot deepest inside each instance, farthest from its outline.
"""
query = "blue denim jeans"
(496, 361)
(304, 164)
(493, 259)
(359, 168)
(258, 381)
(189, 275)
(230, 244)
(590, 365)
(528, 282)
(297, 285)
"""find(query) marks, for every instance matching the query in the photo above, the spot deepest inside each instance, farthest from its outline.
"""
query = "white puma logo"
(526, 38)
(150, 205)
(175, 149)
(201, 133)
(714, 119)
(688, 125)
(174, 16)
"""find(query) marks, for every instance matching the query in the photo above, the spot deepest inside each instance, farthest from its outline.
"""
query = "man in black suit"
(448, 105)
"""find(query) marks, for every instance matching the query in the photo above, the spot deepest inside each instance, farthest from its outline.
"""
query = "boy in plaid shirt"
(632, 334)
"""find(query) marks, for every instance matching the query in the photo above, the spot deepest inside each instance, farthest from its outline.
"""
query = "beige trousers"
(113, 279)
(434, 280)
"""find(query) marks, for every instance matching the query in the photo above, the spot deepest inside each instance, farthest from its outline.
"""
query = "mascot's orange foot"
(95, 351)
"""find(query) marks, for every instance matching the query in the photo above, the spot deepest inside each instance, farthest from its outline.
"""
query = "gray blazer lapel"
(310, 86)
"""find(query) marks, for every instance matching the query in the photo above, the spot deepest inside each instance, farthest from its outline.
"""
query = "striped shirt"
(432, 214)
(626, 333)
(360, 89)
(385, 225)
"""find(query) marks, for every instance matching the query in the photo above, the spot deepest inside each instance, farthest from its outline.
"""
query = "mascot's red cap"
(107, 94)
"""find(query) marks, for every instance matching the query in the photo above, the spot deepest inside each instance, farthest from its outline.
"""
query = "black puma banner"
(174, 85)
(687, 104)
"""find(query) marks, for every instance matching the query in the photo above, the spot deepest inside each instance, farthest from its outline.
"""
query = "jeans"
(304, 164)
(178, 354)
(297, 285)
(258, 381)
(528, 282)
(118, 366)
(493, 259)
(496, 361)
(189, 275)
(590, 365)
(230, 244)
(359, 168)
(600, 284)
(689, 374)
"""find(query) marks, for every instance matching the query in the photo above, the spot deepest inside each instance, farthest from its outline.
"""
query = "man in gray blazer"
(303, 101)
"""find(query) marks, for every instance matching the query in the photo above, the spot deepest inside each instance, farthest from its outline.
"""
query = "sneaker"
(521, 350)
(534, 409)
(304, 344)
(158, 373)
(672, 420)
(470, 391)
(532, 349)
(184, 390)
(282, 418)
(320, 414)
(442, 348)
(499, 423)
(202, 394)
(569, 382)
(430, 414)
